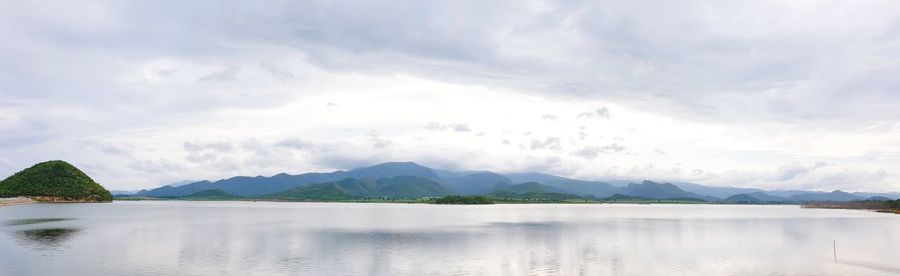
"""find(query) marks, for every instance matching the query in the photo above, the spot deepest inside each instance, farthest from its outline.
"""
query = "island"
(54, 181)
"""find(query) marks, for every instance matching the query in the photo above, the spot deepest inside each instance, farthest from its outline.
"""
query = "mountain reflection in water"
(46, 238)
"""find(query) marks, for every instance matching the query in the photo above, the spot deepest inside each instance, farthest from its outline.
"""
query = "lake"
(271, 238)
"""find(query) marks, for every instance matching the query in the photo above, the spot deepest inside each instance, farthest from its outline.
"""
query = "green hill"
(54, 181)
(532, 191)
(348, 188)
(531, 187)
(212, 194)
(410, 187)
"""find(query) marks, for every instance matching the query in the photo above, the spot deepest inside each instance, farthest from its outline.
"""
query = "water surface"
(266, 238)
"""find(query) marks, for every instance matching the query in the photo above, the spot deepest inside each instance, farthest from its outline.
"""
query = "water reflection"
(177, 238)
(15, 222)
(46, 239)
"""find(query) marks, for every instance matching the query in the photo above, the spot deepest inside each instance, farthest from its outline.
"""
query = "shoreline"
(13, 201)
(419, 201)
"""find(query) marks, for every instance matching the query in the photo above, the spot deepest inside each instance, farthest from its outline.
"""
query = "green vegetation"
(887, 206)
(54, 181)
(464, 200)
(212, 194)
(894, 204)
(532, 192)
(346, 189)
(536, 197)
(400, 187)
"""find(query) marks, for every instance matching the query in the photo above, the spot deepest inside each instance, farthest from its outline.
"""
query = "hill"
(572, 186)
(409, 187)
(348, 188)
(742, 199)
(54, 181)
(533, 191)
(260, 185)
(531, 187)
(835, 196)
(653, 190)
(477, 183)
(486, 182)
(214, 194)
(245, 185)
(351, 188)
(766, 197)
(392, 169)
(720, 192)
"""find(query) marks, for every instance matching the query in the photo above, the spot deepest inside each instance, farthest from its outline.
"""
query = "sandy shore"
(15, 201)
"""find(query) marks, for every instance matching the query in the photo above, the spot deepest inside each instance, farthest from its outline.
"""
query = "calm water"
(260, 238)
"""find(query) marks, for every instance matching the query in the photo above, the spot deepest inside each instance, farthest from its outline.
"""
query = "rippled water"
(264, 238)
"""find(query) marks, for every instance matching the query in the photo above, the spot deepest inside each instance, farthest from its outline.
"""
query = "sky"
(766, 94)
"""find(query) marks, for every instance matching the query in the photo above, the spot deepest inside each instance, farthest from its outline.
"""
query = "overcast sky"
(768, 94)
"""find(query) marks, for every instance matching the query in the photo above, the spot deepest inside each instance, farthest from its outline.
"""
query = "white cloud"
(724, 93)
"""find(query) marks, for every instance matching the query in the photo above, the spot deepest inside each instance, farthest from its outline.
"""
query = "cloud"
(218, 146)
(453, 127)
(379, 143)
(156, 166)
(551, 143)
(278, 71)
(591, 152)
(730, 90)
(109, 148)
(229, 74)
(793, 170)
(588, 152)
(295, 143)
(601, 113)
(612, 148)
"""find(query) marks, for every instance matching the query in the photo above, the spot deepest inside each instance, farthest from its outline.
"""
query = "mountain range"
(411, 180)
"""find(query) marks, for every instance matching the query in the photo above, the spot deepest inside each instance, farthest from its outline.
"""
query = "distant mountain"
(621, 197)
(393, 169)
(766, 197)
(351, 188)
(484, 182)
(790, 193)
(260, 185)
(534, 191)
(836, 196)
(742, 199)
(181, 183)
(445, 174)
(878, 198)
(531, 187)
(124, 192)
(653, 190)
(247, 186)
(883, 195)
(214, 194)
(55, 180)
(477, 183)
(714, 191)
(409, 187)
(568, 185)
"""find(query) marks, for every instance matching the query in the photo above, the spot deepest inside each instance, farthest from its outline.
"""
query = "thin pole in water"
(834, 247)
